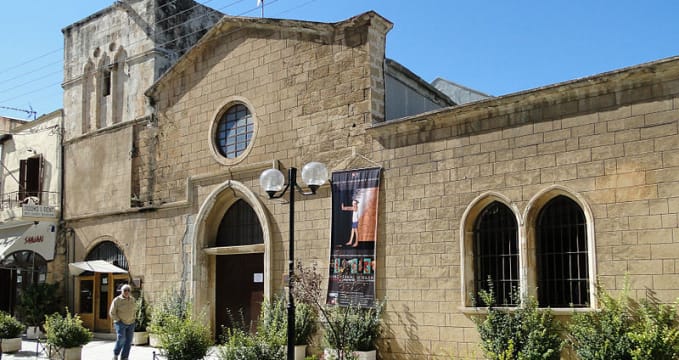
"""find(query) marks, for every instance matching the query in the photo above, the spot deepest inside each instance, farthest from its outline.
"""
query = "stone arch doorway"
(231, 273)
(18, 271)
(97, 285)
(239, 270)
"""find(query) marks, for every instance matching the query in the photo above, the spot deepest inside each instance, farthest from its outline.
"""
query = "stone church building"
(172, 112)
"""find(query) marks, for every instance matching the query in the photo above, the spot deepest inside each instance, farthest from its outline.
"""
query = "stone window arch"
(560, 249)
(490, 248)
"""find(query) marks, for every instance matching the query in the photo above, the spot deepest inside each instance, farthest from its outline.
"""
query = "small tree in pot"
(35, 302)
(10, 333)
(352, 331)
(141, 335)
(67, 333)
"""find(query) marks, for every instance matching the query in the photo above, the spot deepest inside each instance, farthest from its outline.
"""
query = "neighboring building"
(582, 173)
(407, 94)
(458, 93)
(30, 202)
(111, 58)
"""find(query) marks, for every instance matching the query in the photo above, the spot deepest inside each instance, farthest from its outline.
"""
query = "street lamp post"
(314, 174)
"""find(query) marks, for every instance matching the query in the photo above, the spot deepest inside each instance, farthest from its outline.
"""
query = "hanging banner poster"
(354, 236)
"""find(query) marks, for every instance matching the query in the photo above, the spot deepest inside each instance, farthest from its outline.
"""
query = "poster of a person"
(353, 236)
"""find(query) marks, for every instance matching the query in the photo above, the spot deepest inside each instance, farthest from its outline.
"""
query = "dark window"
(30, 177)
(108, 251)
(18, 271)
(240, 226)
(106, 83)
(562, 257)
(496, 253)
(234, 131)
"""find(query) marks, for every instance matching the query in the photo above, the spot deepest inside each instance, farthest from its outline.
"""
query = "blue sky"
(494, 46)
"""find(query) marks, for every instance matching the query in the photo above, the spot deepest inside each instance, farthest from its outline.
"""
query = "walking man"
(122, 312)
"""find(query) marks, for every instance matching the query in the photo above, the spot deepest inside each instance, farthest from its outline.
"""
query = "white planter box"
(140, 338)
(33, 332)
(154, 340)
(366, 355)
(361, 355)
(74, 353)
(11, 345)
(300, 352)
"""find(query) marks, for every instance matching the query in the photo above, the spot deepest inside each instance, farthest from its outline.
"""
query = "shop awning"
(99, 266)
(39, 238)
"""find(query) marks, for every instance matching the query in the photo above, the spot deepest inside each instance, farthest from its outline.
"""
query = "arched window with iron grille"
(562, 254)
(496, 253)
(110, 252)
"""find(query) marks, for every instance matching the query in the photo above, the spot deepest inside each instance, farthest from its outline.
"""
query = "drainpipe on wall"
(68, 282)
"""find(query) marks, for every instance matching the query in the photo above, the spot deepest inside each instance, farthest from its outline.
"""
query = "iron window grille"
(562, 255)
(234, 131)
(496, 253)
(110, 252)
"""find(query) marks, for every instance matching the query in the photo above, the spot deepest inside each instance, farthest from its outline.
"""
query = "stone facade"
(316, 93)
(30, 175)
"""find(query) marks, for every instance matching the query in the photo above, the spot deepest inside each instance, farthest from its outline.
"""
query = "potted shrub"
(171, 305)
(241, 345)
(35, 302)
(67, 334)
(305, 327)
(623, 328)
(352, 331)
(523, 332)
(273, 325)
(141, 335)
(10, 333)
(185, 337)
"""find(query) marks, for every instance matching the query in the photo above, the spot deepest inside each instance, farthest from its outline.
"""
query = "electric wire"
(198, 4)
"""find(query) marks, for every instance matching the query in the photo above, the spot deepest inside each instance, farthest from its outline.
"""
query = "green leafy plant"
(183, 335)
(171, 305)
(625, 329)
(10, 327)
(37, 301)
(241, 345)
(655, 334)
(345, 328)
(603, 334)
(141, 313)
(271, 337)
(66, 331)
(185, 338)
(525, 332)
(306, 323)
(273, 322)
(352, 328)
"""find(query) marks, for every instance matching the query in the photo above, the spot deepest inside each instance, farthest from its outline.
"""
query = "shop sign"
(38, 211)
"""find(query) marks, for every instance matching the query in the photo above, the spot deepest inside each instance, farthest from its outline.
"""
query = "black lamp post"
(314, 174)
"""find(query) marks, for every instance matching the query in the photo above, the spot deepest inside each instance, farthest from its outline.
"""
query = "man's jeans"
(124, 335)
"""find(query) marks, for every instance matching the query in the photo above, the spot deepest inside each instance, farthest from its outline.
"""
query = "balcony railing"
(16, 199)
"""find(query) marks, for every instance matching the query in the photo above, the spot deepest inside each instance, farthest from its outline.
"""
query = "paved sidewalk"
(97, 349)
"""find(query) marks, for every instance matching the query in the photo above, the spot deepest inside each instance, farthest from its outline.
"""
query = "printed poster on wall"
(354, 236)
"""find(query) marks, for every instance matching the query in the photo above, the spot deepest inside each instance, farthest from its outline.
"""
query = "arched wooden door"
(96, 289)
(239, 267)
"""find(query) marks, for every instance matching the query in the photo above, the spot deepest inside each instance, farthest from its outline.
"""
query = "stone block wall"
(611, 139)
